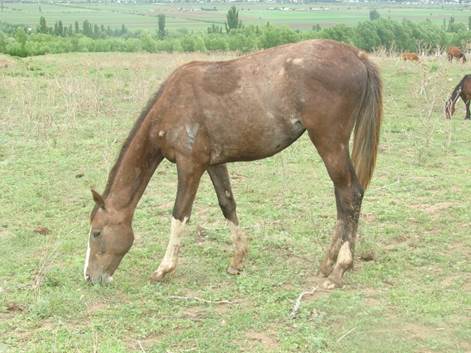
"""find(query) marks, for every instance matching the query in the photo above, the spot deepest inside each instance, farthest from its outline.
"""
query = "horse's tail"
(368, 124)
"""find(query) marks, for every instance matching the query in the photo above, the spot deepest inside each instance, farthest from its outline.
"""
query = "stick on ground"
(297, 303)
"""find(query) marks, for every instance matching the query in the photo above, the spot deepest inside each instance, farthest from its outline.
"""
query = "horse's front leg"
(468, 116)
(189, 174)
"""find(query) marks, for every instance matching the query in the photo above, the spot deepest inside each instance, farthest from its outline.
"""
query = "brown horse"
(209, 113)
(463, 90)
(454, 52)
(408, 56)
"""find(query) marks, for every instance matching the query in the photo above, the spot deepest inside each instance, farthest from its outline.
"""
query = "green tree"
(21, 36)
(469, 23)
(148, 44)
(96, 31)
(451, 24)
(43, 25)
(374, 15)
(87, 28)
(214, 29)
(162, 31)
(233, 21)
(366, 36)
(341, 33)
(3, 42)
(77, 27)
(60, 28)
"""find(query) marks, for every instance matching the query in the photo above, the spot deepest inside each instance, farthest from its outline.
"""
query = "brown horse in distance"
(409, 56)
(207, 114)
(463, 90)
(454, 52)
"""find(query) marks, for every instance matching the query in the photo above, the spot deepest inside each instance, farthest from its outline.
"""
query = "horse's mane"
(137, 125)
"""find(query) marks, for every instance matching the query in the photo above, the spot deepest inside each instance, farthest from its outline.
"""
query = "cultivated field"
(188, 17)
(62, 121)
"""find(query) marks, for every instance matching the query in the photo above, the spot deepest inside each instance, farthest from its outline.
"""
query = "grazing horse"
(207, 114)
(463, 90)
(408, 56)
(454, 52)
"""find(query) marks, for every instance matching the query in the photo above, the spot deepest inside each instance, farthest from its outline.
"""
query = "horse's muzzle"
(103, 278)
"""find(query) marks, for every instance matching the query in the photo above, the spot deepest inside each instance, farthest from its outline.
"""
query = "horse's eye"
(96, 233)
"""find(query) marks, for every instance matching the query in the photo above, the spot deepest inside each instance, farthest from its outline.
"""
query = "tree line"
(86, 28)
(369, 35)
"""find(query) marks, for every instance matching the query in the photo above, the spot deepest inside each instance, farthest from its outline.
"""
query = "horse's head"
(110, 238)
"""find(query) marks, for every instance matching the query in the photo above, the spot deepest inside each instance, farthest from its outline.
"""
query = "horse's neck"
(456, 93)
(132, 171)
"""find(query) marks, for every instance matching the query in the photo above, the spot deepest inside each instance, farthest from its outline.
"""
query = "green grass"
(184, 16)
(67, 115)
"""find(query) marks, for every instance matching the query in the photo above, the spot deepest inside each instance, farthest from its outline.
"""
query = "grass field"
(62, 121)
(184, 16)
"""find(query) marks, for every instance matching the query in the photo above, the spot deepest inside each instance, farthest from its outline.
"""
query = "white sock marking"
(171, 254)
(87, 256)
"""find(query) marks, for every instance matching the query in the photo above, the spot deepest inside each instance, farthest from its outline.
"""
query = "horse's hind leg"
(189, 174)
(222, 185)
(348, 195)
(468, 116)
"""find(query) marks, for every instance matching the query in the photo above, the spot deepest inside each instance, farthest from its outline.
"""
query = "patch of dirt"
(5, 63)
(395, 242)
(195, 313)
(450, 281)
(459, 247)
(166, 206)
(143, 344)
(94, 307)
(371, 296)
(433, 209)
(41, 230)
(420, 331)
(368, 217)
(267, 339)
(13, 307)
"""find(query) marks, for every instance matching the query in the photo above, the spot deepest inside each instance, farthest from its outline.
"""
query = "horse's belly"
(254, 141)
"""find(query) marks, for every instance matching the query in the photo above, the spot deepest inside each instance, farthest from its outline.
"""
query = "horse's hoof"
(329, 284)
(233, 271)
(158, 276)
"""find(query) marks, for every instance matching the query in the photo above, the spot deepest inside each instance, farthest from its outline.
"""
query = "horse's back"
(255, 106)
(455, 52)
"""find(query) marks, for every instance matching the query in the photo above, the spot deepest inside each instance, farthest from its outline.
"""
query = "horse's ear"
(98, 199)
